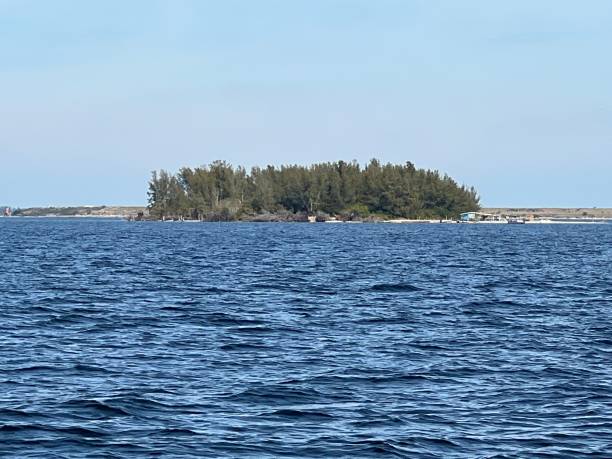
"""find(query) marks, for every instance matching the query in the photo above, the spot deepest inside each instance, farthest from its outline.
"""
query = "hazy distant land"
(551, 212)
(131, 211)
(80, 211)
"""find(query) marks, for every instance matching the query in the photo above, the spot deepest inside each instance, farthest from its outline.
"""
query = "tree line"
(343, 189)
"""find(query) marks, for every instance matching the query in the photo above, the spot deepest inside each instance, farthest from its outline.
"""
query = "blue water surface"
(184, 340)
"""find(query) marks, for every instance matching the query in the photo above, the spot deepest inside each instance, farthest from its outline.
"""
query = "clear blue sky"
(513, 97)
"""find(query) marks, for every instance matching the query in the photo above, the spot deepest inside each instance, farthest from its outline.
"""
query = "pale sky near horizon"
(512, 97)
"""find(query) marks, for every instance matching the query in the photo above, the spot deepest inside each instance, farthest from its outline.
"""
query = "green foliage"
(56, 211)
(220, 191)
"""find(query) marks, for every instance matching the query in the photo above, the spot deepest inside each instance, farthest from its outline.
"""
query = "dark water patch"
(395, 288)
(32, 429)
(215, 290)
(298, 415)
(171, 308)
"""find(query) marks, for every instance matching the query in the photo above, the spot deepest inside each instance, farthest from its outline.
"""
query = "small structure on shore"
(473, 217)
(8, 212)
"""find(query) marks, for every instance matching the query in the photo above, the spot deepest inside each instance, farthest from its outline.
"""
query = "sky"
(514, 97)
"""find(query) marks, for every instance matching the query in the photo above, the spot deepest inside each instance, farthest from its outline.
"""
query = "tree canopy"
(337, 188)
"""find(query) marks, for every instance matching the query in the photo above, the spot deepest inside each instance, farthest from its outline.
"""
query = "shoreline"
(399, 221)
(552, 212)
(140, 213)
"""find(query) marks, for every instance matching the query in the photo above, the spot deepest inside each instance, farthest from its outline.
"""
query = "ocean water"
(241, 340)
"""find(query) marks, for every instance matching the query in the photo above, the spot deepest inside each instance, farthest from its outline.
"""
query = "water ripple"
(286, 340)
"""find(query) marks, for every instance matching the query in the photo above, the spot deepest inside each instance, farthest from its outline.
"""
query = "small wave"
(373, 422)
(172, 308)
(366, 379)
(241, 347)
(94, 408)
(35, 369)
(140, 406)
(384, 320)
(10, 428)
(67, 430)
(222, 318)
(189, 302)
(14, 413)
(216, 290)
(81, 367)
(172, 431)
(276, 394)
(79, 431)
(298, 414)
(377, 447)
(428, 346)
(251, 330)
(322, 291)
(491, 304)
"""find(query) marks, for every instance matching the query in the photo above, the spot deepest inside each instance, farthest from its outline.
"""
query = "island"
(344, 191)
